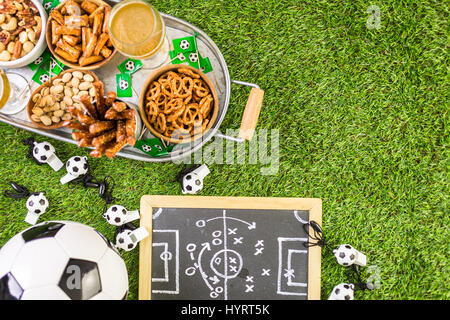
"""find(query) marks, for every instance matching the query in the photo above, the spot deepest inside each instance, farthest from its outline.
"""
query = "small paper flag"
(130, 66)
(41, 76)
(123, 82)
(44, 58)
(183, 45)
(153, 147)
(205, 64)
(50, 4)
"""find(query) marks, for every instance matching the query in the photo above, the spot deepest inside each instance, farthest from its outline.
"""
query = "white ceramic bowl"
(39, 47)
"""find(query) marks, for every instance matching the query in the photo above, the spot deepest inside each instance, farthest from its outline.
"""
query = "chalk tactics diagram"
(226, 257)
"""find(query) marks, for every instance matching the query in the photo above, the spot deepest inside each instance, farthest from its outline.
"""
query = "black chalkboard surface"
(229, 248)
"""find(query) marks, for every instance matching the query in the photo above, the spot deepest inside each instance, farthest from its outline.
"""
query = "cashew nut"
(11, 25)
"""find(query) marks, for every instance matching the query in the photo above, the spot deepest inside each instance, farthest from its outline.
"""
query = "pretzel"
(101, 126)
(100, 43)
(76, 21)
(72, 8)
(55, 14)
(119, 106)
(88, 6)
(67, 30)
(84, 61)
(121, 133)
(85, 142)
(55, 35)
(130, 126)
(100, 100)
(103, 138)
(111, 151)
(78, 135)
(72, 40)
(110, 97)
(72, 51)
(86, 101)
(75, 125)
(189, 73)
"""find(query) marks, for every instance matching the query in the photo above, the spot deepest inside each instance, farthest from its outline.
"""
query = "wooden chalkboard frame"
(148, 202)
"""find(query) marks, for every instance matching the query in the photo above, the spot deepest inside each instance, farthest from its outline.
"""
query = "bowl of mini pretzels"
(178, 103)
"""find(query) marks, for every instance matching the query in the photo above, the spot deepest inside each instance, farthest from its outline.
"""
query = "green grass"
(363, 120)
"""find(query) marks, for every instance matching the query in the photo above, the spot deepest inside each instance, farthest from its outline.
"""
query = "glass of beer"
(14, 92)
(138, 31)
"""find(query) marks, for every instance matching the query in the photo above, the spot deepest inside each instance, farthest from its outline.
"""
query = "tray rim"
(29, 126)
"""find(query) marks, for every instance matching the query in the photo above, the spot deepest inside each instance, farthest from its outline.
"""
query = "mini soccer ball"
(43, 78)
(123, 85)
(342, 291)
(193, 57)
(184, 44)
(181, 57)
(61, 260)
(77, 166)
(129, 65)
(146, 148)
(345, 255)
(116, 215)
(43, 151)
(37, 203)
(192, 183)
(39, 60)
(122, 236)
(48, 5)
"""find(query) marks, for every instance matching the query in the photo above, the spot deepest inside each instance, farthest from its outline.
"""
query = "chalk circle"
(226, 253)
(166, 256)
(191, 247)
(200, 223)
(218, 290)
(217, 233)
(190, 271)
(213, 294)
(217, 241)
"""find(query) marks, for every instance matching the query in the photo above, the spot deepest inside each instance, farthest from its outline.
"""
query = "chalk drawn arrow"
(251, 226)
(205, 246)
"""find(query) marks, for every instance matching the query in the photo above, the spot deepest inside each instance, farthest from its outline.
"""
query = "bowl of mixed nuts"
(48, 105)
(22, 32)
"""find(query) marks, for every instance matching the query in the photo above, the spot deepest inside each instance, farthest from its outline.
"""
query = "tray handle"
(251, 111)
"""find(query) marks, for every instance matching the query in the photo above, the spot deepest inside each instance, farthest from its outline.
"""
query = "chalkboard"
(225, 248)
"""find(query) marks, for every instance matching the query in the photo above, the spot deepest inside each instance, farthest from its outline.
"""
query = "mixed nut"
(20, 28)
(51, 102)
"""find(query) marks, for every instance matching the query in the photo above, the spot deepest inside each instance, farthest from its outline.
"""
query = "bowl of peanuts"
(77, 34)
(22, 39)
(48, 105)
(178, 103)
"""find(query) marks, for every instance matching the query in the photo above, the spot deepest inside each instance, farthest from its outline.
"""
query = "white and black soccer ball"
(38, 60)
(345, 255)
(129, 65)
(77, 166)
(123, 85)
(181, 57)
(37, 203)
(61, 260)
(122, 236)
(43, 151)
(192, 183)
(146, 148)
(116, 215)
(193, 57)
(343, 291)
(184, 44)
(44, 78)
(48, 5)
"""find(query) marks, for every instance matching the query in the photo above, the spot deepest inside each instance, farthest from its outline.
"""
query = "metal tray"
(175, 28)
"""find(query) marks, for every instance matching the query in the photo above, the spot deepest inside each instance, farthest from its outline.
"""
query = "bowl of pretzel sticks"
(77, 34)
(106, 125)
(178, 103)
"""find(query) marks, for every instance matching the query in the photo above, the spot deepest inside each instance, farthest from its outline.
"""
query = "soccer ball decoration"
(117, 215)
(181, 57)
(76, 167)
(343, 291)
(129, 65)
(123, 85)
(346, 255)
(192, 182)
(40, 59)
(128, 236)
(184, 45)
(44, 78)
(193, 57)
(37, 204)
(44, 152)
(61, 260)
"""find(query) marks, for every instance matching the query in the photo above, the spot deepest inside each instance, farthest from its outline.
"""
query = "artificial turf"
(363, 121)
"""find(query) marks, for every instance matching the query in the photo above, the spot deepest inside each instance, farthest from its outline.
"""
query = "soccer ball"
(193, 57)
(129, 65)
(43, 151)
(342, 291)
(123, 85)
(77, 166)
(48, 5)
(192, 183)
(44, 78)
(122, 236)
(37, 203)
(345, 255)
(116, 215)
(146, 148)
(39, 60)
(61, 260)
(184, 44)
(181, 57)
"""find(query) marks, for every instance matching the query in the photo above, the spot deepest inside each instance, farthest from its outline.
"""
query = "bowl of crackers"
(178, 103)
(22, 38)
(49, 103)
(77, 34)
